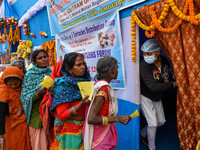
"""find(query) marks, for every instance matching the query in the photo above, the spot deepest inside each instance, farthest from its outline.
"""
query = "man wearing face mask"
(156, 80)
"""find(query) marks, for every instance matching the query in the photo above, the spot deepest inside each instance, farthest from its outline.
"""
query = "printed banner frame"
(95, 39)
(65, 14)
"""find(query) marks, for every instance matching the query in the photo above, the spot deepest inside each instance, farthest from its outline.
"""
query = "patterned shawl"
(45, 113)
(14, 62)
(67, 90)
(30, 85)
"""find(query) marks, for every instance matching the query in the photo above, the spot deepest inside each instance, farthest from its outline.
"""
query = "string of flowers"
(133, 45)
(16, 35)
(194, 19)
(55, 54)
(11, 38)
(51, 44)
(4, 62)
(156, 23)
(172, 29)
(5, 35)
(161, 19)
(8, 22)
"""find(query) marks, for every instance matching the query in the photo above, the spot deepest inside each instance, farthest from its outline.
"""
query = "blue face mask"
(150, 59)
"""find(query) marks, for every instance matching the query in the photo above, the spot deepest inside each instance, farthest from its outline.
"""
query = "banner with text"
(64, 14)
(94, 39)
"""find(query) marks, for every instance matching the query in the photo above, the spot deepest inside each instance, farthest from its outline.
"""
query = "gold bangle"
(106, 122)
(74, 110)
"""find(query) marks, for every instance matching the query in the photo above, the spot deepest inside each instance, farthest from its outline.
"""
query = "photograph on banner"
(4, 53)
(4, 48)
(94, 39)
(65, 14)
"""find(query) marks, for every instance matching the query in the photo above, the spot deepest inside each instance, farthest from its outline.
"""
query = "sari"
(68, 132)
(16, 124)
(17, 61)
(45, 113)
(99, 137)
(30, 85)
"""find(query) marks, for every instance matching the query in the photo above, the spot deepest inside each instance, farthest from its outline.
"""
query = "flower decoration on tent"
(2, 22)
(1, 1)
(8, 22)
(13, 35)
(43, 34)
(133, 45)
(157, 21)
(26, 29)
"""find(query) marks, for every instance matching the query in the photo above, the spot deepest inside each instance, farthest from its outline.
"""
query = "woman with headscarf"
(32, 95)
(19, 64)
(99, 129)
(46, 115)
(68, 105)
(17, 135)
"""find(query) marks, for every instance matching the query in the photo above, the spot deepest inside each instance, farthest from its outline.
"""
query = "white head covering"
(151, 45)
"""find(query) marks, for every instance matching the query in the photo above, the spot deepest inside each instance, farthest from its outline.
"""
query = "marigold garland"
(16, 35)
(4, 62)
(50, 45)
(156, 23)
(133, 45)
(10, 37)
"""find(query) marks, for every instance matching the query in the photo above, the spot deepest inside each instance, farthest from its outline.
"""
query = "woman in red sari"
(68, 104)
(99, 129)
(47, 117)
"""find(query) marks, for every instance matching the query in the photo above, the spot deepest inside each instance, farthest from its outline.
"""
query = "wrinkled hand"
(42, 91)
(3, 145)
(51, 90)
(85, 100)
(124, 119)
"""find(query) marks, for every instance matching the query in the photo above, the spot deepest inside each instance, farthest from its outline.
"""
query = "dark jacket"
(154, 84)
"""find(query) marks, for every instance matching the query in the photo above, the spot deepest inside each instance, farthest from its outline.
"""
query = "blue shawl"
(66, 88)
(31, 84)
